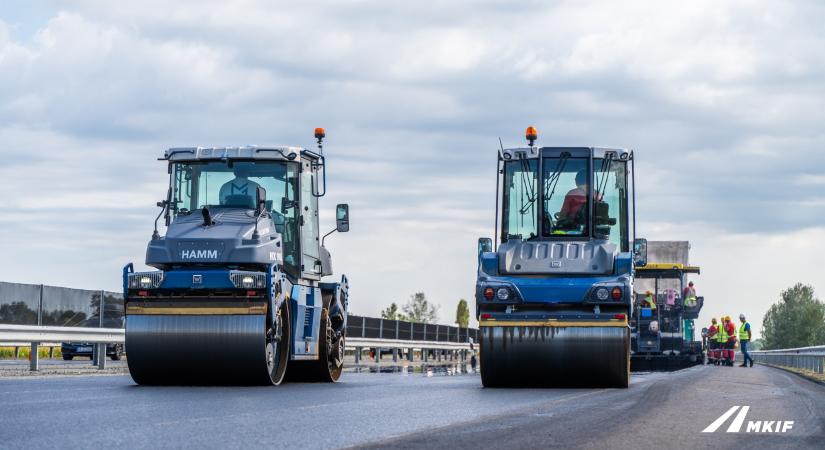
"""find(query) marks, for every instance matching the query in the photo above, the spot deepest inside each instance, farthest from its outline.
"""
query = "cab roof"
(284, 153)
(533, 152)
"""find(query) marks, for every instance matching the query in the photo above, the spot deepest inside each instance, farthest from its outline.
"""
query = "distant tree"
(18, 313)
(462, 314)
(392, 313)
(797, 320)
(756, 345)
(419, 310)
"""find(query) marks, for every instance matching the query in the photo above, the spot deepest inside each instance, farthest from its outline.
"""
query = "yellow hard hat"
(648, 293)
(727, 318)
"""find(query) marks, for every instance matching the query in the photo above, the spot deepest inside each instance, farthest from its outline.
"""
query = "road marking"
(736, 425)
(718, 422)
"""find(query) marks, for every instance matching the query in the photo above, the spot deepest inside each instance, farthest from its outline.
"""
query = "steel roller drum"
(590, 356)
(196, 349)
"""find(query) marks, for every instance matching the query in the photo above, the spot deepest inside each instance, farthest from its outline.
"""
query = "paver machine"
(554, 297)
(664, 337)
(238, 297)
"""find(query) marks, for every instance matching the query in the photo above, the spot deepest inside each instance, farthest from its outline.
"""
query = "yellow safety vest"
(650, 302)
(743, 333)
(722, 335)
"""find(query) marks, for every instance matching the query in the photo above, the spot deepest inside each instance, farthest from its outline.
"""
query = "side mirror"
(260, 200)
(640, 252)
(485, 245)
(342, 218)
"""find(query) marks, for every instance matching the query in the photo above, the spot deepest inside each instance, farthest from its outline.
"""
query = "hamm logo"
(754, 426)
(199, 254)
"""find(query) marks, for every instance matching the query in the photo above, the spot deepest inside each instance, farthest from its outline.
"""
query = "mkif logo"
(754, 426)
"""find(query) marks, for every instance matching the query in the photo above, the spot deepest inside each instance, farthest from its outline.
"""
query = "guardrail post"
(16, 352)
(381, 328)
(101, 356)
(34, 357)
(410, 354)
(395, 354)
(40, 308)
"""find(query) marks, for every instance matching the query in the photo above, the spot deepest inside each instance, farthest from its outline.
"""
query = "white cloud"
(721, 102)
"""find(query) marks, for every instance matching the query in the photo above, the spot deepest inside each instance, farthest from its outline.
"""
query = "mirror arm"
(325, 236)
(164, 208)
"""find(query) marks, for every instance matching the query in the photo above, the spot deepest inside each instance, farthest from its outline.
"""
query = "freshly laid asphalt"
(659, 410)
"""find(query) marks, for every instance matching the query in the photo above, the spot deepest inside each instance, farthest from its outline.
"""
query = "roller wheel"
(277, 346)
(332, 349)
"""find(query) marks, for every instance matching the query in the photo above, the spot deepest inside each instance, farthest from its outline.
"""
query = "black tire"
(277, 350)
(67, 357)
(330, 365)
(331, 350)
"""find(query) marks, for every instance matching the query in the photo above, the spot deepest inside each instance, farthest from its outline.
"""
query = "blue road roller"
(554, 293)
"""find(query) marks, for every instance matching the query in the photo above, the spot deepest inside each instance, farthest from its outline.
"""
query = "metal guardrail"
(362, 332)
(38, 334)
(807, 358)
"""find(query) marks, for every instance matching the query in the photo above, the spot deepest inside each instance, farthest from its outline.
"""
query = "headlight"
(151, 280)
(248, 280)
(503, 293)
(602, 294)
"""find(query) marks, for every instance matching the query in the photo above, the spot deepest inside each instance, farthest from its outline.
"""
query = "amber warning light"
(531, 134)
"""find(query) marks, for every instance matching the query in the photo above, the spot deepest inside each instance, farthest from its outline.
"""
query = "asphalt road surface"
(659, 410)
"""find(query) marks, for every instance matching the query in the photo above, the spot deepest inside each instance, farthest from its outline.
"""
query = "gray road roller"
(239, 296)
(554, 295)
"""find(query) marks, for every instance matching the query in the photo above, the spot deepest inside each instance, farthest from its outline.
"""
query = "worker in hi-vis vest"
(649, 301)
(745, 336)
(722, 341)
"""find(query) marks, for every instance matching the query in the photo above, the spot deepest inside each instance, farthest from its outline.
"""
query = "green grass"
(43, 352)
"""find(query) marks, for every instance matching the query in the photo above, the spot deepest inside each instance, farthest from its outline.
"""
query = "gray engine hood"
(557, 257)
(229, 240)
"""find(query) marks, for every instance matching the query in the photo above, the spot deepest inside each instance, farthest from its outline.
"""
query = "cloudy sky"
(723, 103)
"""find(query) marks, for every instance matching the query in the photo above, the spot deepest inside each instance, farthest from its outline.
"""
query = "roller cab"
(238, 295)
(554, 294)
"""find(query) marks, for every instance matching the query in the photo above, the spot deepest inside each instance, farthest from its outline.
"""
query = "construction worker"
(730, 330)
(575, 203)
(744, 339)
(721, 342)
(648, 301)
(689, 295)
(712, 344)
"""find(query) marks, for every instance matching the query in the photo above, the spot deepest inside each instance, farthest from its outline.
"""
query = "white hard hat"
(742, 316)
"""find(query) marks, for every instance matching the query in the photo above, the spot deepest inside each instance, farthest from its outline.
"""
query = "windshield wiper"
(553, 179)
(607, 164)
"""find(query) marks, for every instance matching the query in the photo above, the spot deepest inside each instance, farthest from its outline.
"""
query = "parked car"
(114, 351)
(72, 349)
